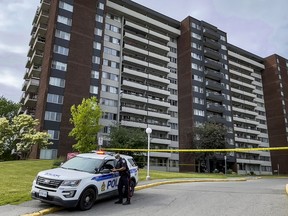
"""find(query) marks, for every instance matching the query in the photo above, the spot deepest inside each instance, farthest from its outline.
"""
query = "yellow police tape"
(198, 150)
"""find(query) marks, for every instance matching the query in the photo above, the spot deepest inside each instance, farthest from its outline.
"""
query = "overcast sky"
(258, 26)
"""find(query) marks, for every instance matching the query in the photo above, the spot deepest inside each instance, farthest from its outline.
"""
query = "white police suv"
(82, 180)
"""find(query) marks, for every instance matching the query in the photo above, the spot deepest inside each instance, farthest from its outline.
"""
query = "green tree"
(8, 108)
(20, 135)
(85, 118)
(208, 136)
(129, 138)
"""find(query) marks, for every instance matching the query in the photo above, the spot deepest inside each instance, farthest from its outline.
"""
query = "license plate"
(43, 193)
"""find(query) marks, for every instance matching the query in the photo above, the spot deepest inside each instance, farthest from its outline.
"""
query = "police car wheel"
(87, 199)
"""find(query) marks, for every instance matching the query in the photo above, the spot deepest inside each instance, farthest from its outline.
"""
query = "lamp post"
(148, 131)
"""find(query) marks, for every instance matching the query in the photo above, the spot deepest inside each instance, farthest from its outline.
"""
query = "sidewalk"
(37, 208)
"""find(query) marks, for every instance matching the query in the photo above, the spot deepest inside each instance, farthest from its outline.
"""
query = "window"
(172, 59)
(197, 36)
(198, 100)
(111, 39)
(99, 18)
(197, 78)
(222, 38)
(97, 45)
(173, 70)
(53, 98)
(109, 102)
(111, 63)
(172, 49)
(61, 50)
(93, 89)
(100, 6)
(113, 17)
(54, 134)
(53, 116)
(112, 28)
(196, 46)
(62, 35)
(94, 74)
(198, 112)
(54, 81)
(64, 20)
(59, 65)
(196, 26)
(110, 51)
(96, 59)
(196, 56)
(98, 31)
(109, 76)
(110, 89)
(173, 102)
(109, 116)
(65, 6)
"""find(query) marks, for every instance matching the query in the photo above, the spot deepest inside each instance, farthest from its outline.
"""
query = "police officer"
(124, 180)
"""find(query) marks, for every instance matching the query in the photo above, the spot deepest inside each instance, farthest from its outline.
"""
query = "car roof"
(102, 155)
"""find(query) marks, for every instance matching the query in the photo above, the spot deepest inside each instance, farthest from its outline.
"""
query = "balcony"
(30, 100)
(140, 74)
(139, 98)
(217, 86)
(145, 31)
(139, 62)
(43, 17)
(212, 54)
(45, 5)
(216, 119)
(39, 43)
(215, 96)
(34, 71)
(213, 64)
(212, 44)
(147, 54)
(213, 74)
(215, 107)
(41, 30)
(37, 57)
(150, 45)
(211, 34)
(143, 125)
(143, 112)
(32, 85)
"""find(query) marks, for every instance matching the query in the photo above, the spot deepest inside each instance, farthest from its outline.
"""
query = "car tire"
(87, 199)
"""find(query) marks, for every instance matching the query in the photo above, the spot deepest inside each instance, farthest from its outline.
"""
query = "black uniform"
(124, 181)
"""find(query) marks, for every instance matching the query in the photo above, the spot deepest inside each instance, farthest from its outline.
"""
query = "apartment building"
(249, 114)
(204, 87)
(275, 83)
(149, 70)
(121, 52)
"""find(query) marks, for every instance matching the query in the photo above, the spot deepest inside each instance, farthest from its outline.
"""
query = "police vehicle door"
(110, 179)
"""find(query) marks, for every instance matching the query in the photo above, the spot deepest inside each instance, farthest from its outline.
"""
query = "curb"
(44, 211)
(141, 187)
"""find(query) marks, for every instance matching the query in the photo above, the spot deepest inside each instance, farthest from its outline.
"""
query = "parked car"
(82, 180)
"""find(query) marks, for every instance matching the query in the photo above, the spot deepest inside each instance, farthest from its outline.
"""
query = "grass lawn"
(16, 178)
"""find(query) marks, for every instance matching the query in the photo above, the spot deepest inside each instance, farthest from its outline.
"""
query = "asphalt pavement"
(37, 208)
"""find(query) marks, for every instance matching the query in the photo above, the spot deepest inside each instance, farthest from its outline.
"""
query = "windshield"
(83, 164)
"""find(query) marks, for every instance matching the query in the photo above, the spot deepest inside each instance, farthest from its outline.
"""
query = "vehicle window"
(109, 164)
(83, 164)
(132, 162)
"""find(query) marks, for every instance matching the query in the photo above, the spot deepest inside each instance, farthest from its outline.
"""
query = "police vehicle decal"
(132, 171)
(105, 177)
